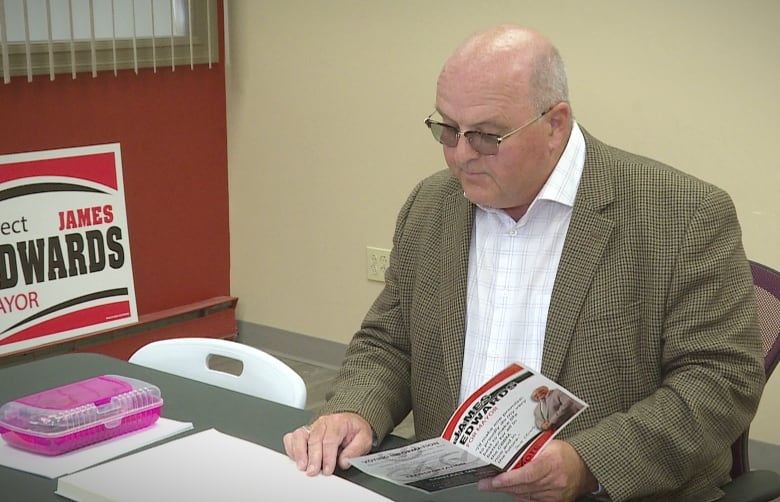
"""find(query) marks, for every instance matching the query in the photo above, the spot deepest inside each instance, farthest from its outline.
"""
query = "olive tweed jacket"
(652, 323)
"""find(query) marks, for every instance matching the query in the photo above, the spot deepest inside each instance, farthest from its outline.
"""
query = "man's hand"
(330, 439)
(556, 474)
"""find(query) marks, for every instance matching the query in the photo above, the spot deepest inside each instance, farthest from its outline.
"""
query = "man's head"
(495, 82)
(540, 393)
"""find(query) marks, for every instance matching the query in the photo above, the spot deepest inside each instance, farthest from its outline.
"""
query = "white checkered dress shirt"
(512, 267)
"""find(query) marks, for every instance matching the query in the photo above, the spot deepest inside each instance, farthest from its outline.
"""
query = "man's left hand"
(556, 474)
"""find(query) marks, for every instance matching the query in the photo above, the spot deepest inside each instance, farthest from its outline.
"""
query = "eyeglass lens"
(485, 144)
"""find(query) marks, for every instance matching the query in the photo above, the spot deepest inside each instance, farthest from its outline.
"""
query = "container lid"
(103, 400)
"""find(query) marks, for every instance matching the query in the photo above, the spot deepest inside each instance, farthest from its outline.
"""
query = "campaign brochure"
(499, 427)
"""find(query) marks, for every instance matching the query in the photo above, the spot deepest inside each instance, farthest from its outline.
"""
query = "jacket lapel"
(457, 219)
(586, 240)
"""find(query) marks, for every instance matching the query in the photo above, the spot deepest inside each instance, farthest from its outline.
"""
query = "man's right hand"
(330, 439)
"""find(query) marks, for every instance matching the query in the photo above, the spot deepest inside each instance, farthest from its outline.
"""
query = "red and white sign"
(65, 266)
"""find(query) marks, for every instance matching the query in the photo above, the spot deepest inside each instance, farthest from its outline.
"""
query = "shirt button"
(513, 232)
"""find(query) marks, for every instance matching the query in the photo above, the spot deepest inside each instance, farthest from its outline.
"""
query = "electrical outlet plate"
(377, 261)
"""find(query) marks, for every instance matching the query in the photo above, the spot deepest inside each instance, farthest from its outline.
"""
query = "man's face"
(540, 393)
(512, 178)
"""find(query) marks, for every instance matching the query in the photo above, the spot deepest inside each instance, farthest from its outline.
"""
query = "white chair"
(263, 375)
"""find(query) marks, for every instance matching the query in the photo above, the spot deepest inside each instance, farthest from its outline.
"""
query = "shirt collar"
(563, 182)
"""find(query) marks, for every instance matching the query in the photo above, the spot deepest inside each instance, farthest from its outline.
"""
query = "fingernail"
(301, 465)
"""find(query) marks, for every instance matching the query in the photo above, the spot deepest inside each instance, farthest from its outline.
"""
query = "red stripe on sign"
(74, 320)
(96, 167)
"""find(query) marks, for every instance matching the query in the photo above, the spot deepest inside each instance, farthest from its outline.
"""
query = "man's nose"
(464, 152)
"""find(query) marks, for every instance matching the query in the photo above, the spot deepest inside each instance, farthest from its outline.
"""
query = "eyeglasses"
(482, 143)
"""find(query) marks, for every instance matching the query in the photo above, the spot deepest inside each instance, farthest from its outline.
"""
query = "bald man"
(622, 279)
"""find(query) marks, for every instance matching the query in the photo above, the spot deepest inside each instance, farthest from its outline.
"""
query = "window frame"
(143, 52)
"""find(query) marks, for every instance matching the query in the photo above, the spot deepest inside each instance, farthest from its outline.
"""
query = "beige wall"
(325, 135)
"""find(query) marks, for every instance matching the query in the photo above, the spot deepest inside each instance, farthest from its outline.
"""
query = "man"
(622, 279)
(553, 408)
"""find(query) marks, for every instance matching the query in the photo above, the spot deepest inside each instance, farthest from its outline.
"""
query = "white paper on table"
(55, 466)
(204, 467)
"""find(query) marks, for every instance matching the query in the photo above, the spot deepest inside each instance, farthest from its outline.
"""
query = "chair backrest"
(766, 283)
(767, 286)
(262, 374)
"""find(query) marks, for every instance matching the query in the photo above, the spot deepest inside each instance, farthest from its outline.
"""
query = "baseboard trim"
(304, 348)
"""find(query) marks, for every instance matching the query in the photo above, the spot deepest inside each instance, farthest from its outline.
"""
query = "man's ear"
(559, 119)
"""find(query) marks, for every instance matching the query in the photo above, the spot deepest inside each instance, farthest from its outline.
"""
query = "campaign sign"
(65, 268)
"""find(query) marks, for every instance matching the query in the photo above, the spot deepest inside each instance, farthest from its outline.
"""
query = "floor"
(318, 380)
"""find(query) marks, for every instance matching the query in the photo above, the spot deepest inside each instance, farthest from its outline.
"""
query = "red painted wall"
(172, 129)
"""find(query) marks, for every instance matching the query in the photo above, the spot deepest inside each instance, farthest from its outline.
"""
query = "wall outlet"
(377, 261)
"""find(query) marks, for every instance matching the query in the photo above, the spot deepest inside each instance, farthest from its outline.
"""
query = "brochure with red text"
(500, 427)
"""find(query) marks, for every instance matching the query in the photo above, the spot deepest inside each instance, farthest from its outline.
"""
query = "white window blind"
(75, 36)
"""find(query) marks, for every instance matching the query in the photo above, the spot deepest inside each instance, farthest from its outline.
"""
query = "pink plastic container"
(64, 418)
